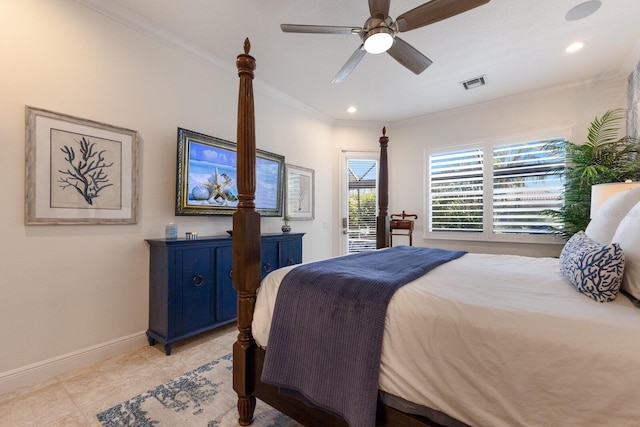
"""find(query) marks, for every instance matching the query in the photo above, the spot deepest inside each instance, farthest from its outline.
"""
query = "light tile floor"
(74, 398)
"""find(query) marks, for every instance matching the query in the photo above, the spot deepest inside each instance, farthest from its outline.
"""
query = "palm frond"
(604, 131)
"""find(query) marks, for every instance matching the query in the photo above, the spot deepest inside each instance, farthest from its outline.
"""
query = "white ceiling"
(517, 44)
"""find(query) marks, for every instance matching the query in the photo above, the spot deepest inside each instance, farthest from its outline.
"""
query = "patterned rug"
(202, 397)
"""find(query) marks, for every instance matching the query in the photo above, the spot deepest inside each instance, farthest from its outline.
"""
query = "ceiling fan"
(379, 33)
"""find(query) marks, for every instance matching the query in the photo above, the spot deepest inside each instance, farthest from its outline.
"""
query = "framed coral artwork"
(79, 171)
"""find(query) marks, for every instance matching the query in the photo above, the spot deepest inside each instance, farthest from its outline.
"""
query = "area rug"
(202, 397)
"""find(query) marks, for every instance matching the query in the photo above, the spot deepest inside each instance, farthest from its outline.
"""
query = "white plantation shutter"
(456, 194)
(524, 185)
(522, 180)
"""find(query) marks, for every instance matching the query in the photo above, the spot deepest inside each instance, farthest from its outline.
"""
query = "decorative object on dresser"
(79, 171)
(190, 287)
(286, 228)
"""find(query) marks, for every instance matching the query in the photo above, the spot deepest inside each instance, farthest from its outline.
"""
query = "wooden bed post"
(246, 240)
(382, 221)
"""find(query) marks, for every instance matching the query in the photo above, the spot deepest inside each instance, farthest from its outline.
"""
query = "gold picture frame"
(206, 177)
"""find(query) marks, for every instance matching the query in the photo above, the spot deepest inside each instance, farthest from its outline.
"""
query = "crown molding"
(143, 26)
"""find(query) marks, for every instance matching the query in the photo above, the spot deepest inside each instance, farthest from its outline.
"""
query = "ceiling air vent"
(474, 82)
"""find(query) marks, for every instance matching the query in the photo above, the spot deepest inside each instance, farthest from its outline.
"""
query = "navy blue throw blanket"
(328, 323)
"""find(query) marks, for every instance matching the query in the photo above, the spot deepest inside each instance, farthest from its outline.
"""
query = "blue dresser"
(190, 288)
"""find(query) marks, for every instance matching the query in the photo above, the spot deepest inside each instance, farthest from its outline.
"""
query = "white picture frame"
(300, 195)
(79, 171)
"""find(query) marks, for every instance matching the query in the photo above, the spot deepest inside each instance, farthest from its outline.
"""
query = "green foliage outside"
(362, 208)
(603, 158)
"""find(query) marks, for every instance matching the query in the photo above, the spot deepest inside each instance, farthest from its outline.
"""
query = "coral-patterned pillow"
(595, 270)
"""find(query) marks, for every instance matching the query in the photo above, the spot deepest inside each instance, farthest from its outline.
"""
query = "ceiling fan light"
(574, 47)
(378, 40)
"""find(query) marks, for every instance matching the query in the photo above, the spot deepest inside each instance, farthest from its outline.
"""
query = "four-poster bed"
(248, 358)
(483, 339)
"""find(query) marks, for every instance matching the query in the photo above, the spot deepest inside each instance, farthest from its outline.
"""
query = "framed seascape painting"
(206, 177)
(79, 171)
(300, 193)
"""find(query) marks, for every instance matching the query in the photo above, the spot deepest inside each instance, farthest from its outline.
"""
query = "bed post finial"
(246, 239)
(382, 221)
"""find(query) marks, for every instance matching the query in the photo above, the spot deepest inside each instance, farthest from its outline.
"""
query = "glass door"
(359, 201)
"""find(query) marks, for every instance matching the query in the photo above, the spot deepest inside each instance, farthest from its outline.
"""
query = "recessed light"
(574, 47)
(351, 110)
(583, 10)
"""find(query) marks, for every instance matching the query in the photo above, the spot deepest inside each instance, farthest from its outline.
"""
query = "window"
(457, 189)
(495, 191)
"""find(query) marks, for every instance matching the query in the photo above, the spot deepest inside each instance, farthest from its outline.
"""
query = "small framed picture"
(300, 193)
(79, 171)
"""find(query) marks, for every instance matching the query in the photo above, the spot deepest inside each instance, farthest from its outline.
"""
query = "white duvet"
(504, 340)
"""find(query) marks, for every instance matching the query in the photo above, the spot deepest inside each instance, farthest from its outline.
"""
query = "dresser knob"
(290, 261)
(198, 280)
(266, 268)
(230, 273)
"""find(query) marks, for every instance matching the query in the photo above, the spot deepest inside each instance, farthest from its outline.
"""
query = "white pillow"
(628, 236)
(605, 220)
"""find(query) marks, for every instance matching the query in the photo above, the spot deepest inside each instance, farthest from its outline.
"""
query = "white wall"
(72, 293)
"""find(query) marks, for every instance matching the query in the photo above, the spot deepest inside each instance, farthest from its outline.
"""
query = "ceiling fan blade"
(409, 56)
(434, 11)
(319, 29)
(351, 63)
(377, 7)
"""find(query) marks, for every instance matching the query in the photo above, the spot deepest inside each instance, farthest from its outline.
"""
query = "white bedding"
(504, 340)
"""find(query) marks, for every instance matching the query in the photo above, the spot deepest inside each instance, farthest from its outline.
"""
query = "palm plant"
(603, 158)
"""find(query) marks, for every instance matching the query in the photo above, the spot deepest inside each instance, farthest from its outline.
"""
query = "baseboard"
(47, 369)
